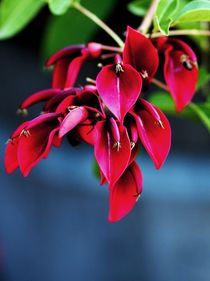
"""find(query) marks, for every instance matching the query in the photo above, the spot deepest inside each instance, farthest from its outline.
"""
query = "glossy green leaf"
(139, 7)
(197, 112)
(198, 10)
(16, 14)
(73, 27)
(59, 7)
(163, 17)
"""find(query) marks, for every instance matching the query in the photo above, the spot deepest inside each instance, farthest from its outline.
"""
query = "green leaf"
(204, 77)
(95, 169)
(198, 10)
(203, 115)
(163, 17)
(196, 112)
(139, 7)
(73, 27)
(16, 14)
(59, 7)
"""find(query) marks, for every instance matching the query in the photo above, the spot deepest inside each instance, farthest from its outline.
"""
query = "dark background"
(53, 224)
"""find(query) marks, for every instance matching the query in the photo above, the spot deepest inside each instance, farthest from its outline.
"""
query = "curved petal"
(125, 193)
(60, 72)
(74, 68)
(70, 52)
(72, 119)
(180, 79)
(86, 131)
(140, 52)
(35, 146)
(155, 136)
(112, 160)
(39, 97)
(10, 160)
(119, 91)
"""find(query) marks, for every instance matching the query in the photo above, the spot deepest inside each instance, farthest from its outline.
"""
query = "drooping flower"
(125, 193)
(154, 131)
(31, 142)
(180, 70)
(119, 86)
(111, 116)
(140, 53)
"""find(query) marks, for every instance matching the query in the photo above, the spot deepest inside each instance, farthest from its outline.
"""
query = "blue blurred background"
(53, 224)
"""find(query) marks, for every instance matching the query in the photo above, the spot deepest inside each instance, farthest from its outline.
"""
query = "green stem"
(194, 32)
(99, 22)
(202, 116)
(160, 84)
(147, 21)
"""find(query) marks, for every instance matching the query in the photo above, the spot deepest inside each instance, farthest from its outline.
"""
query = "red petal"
(70, 52)
(46, 117)
(74, 68)
(90, 100)
(156, 137)
(181, 81)
(32, 148)
(112, 161)
(119, 92)
(86, 132)
(125, 192)
(72, 119)
(54, 101)
(60, 73)
(140, 52)
(11, 161)
(39, 97)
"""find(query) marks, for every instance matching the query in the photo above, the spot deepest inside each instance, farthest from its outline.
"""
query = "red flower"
(154, 131)
(180, 70)
(111, 116)
(140, 53)
(31, 142)
(119, 86)
(125, 193)
(68, 61)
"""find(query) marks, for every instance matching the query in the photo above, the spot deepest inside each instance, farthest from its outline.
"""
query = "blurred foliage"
(73, 27)
(16, 14)
(197, 112)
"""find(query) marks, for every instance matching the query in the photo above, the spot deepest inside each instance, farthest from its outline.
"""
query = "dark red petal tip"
(125, 193)
(140, 53)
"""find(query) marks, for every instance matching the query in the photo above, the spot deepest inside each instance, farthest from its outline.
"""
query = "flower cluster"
(110, 115)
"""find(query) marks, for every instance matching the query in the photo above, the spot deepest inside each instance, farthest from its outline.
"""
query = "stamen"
(100, 65)
(117, 145)
(97, 115)
(187, 62)
(69, 108)
(132, 145)
(119, 68)
(159, 123)
(90, 80)
(144, 74)
(9, 141)
(26, 133)
(137, 195)
(22, 111)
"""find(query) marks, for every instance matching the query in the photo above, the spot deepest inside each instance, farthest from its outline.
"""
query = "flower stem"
(194, 32)
(160, 84)
(99, 22)
(145, 24)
